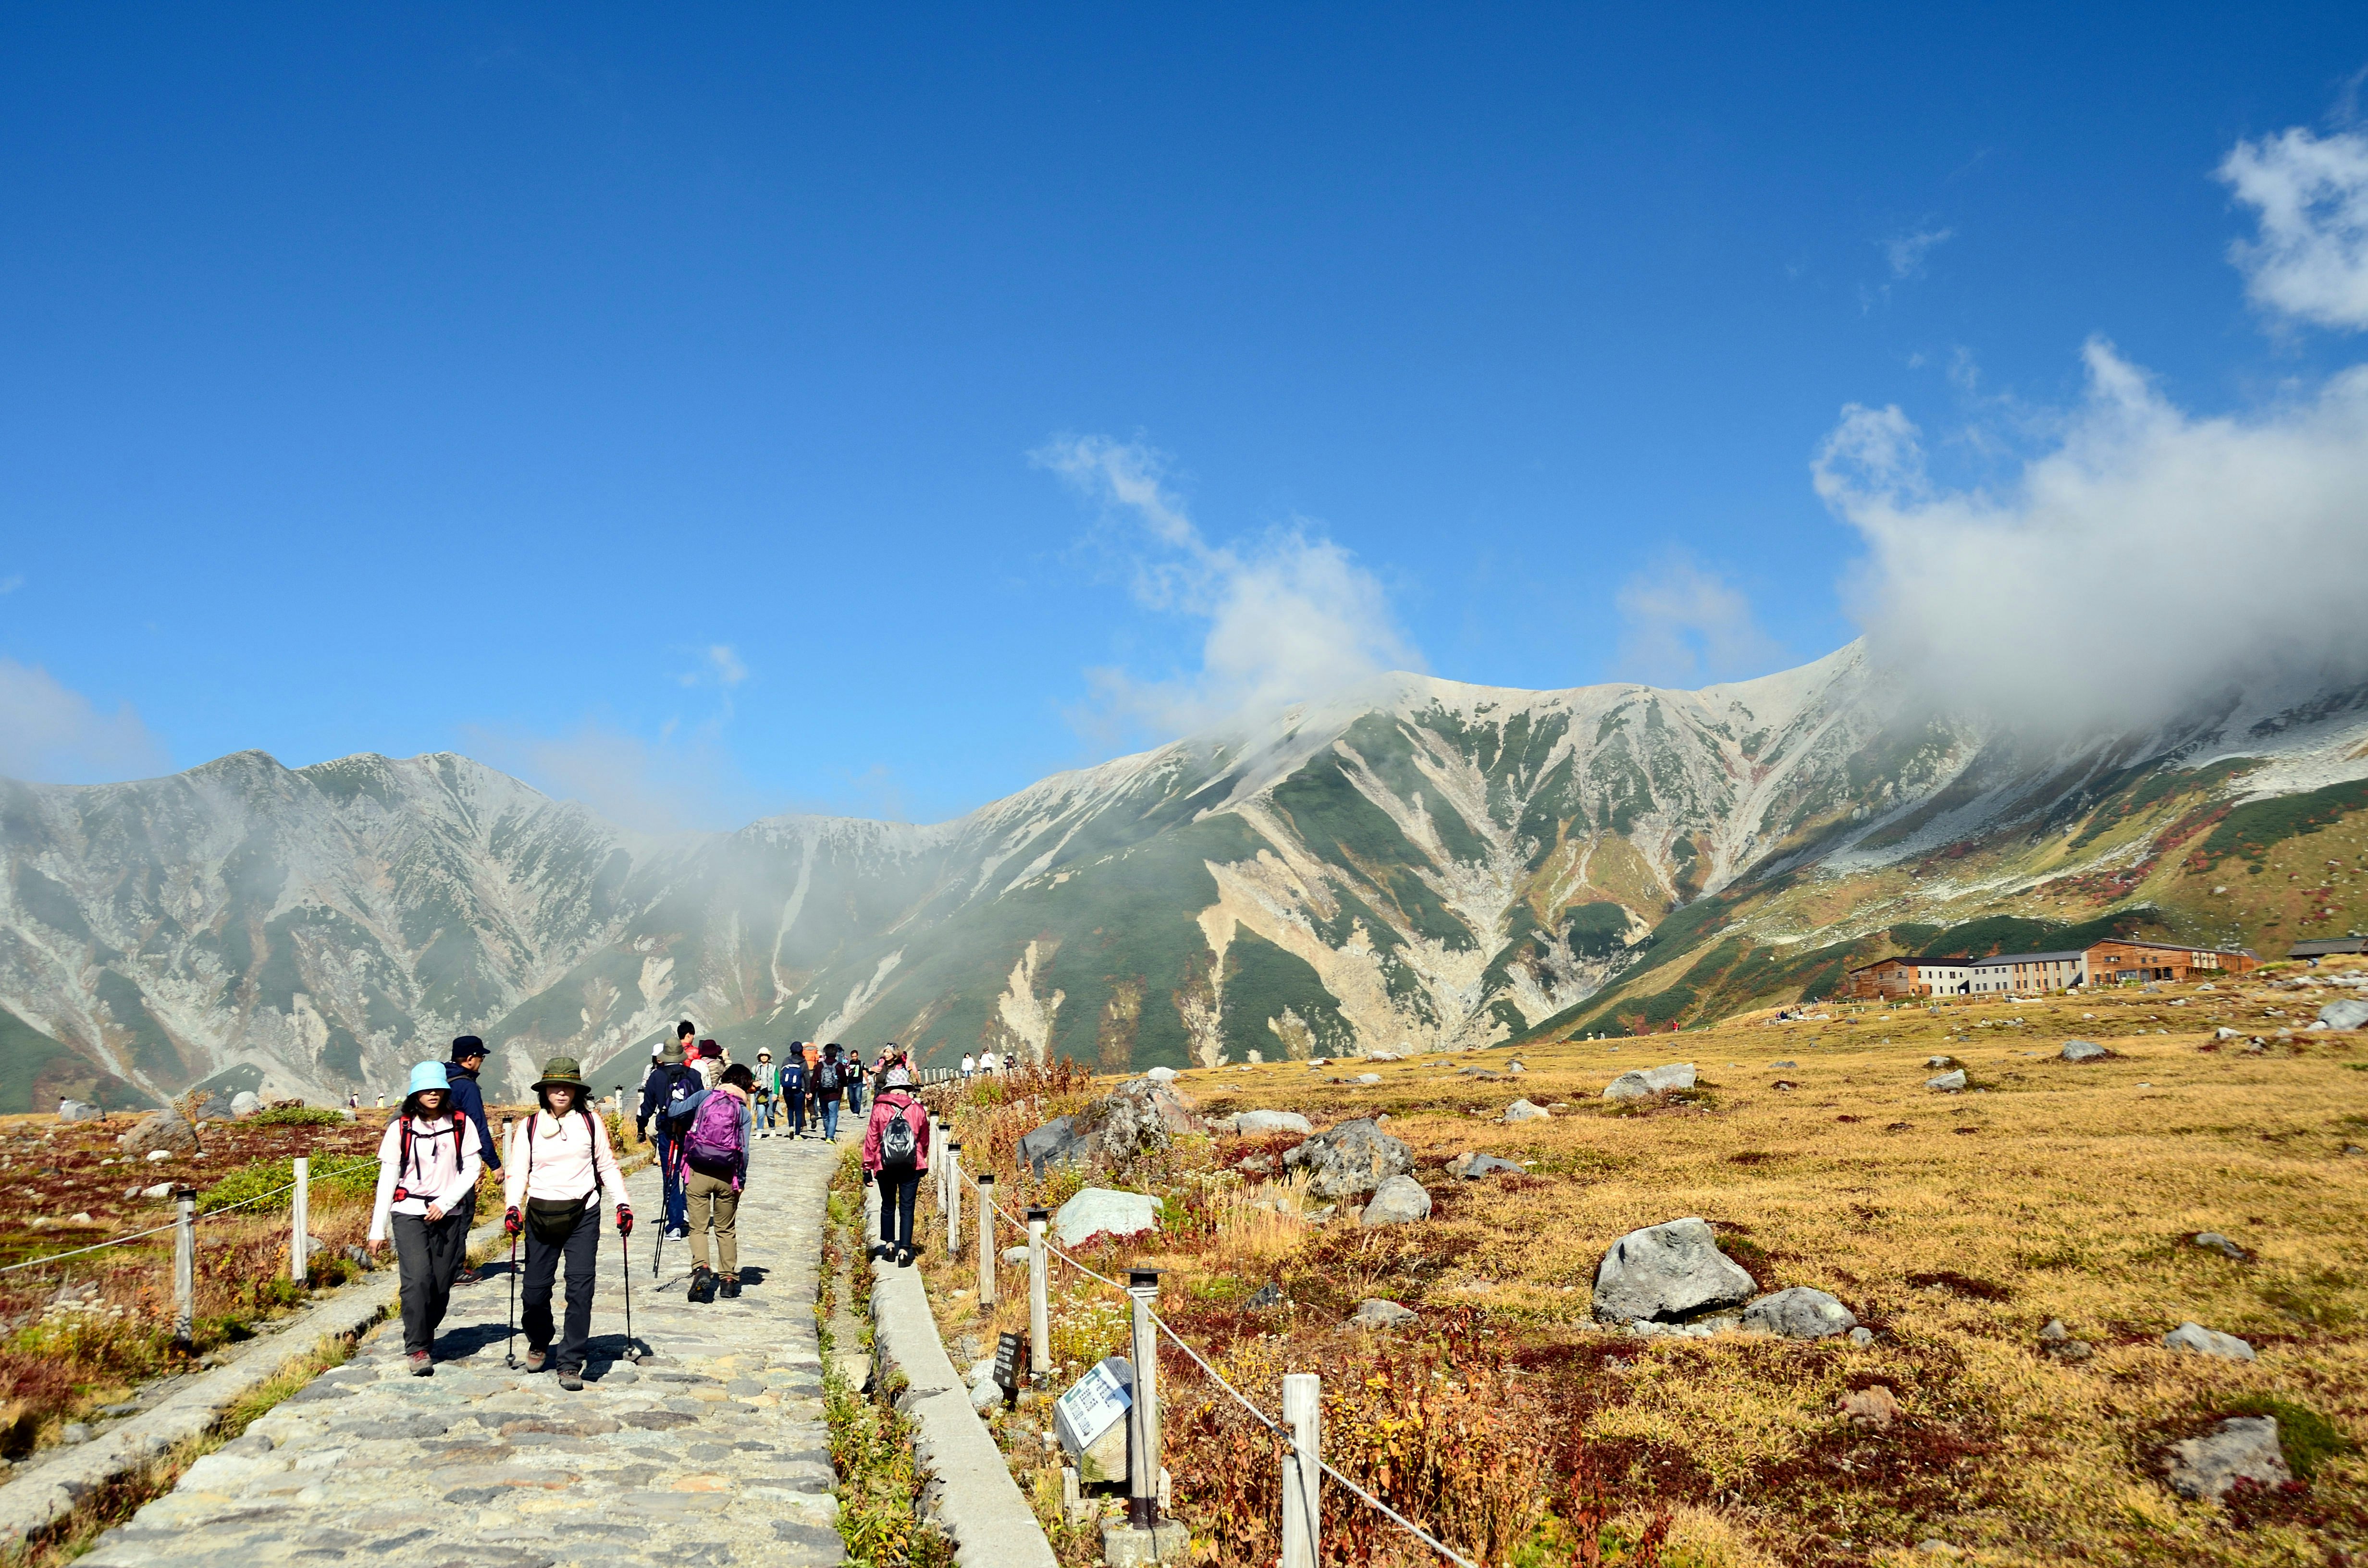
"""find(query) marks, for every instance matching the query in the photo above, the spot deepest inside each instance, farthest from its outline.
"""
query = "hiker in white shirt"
(990, 1063)
(427, 1166)
(558, 1161)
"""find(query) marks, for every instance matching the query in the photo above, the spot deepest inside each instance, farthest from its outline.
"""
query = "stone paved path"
(714, 1452)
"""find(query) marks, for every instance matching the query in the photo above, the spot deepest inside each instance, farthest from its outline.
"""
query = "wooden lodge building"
(2116, 962)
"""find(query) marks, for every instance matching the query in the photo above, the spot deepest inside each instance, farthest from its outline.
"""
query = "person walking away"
(769, 1085)
(896, 1155)
(709, 1063)
(560, 1163)
(793, 1091)
(829, 1083)
(467, 1060)
(855, 1083)
(713, 1131)
(427, 1166)
(674, 1080)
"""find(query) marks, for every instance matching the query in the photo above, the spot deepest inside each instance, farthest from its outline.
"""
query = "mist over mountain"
(1421, 865)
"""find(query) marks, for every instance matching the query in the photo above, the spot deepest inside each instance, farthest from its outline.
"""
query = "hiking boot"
(422, 1364)
(731, 1285)
(468, 1277)
(536, 1358)
(571, 1379)
(903, 1257)
(703, 1286)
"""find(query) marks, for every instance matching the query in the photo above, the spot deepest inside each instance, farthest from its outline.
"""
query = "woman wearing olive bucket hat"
(427, 1166)
(558, 1161)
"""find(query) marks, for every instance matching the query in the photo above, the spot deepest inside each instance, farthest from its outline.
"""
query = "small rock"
(2348, 1014)
(1874, 1405)
(2054, 1333)
(1376, 1313)
(82, 1217)
(1366, 1078)
(1646, 1081)
(2225, 1032)
(1252, 1123)
(359, 1256)
(1775, 1064)
(1472, 1167)
(1269, 1295)
(1161, 1074)
(2196, 1339)
(1400, 1200)
(2213, 1240)
(1948, 1082)
(1516, 1067)
(1522, 1110)
(1799, 1313)
(1861, 1336)
(160, 1154)
(1017, 1255)
(1940, 1061)
(2083, 1050)
(245, 1103)
(1099, 1210)
(2243, 1448)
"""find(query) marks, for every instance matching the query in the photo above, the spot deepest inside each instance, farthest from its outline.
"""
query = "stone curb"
(971, 1494)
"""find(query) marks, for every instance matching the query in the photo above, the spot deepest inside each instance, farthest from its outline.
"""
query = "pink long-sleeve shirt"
(571, 1158)
(445, 1159)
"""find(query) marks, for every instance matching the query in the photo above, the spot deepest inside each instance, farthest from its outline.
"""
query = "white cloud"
(11, 583)
(2143, 560)
(1905, 252)
(52, 735)
(1681, 625)
(1292, 616)
(729, 670)
(674, 784)
(2311, 196)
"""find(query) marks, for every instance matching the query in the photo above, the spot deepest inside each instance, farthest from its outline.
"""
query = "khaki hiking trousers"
(712, 1200)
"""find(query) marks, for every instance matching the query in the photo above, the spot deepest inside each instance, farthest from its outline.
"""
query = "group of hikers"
(703, 1111)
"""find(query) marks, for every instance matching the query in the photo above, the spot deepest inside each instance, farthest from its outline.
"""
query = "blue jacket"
(469, 1101)
(666, 1088)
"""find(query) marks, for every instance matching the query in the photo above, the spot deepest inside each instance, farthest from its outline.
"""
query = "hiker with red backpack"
(427, 1166)
(560, 1163)
(711, 1136)
(896, 1153)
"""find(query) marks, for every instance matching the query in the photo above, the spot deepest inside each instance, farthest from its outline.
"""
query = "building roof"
(2064, 955)
(2174, 947)
(1921, 963)
(2328, 945)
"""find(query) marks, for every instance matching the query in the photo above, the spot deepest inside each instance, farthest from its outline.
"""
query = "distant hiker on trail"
(559, 1162)
(794, 1090)
(829, 1083)
(711, 1130)
(968, 1066)
(427, 1166)
(990, 1063)
(855, 1083)
(769, 1085)
(895, 1152)
(709, 1063)
(468, 1057)
(672, 1081)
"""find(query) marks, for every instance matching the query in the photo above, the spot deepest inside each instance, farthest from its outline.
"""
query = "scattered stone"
(1874, 1405)
(76, 1432)
(162, 1189)
(1269, 1295)
(1376, 1313)
(1018, 1257)
(1516, 1067)
(1668, 1271)
(160, 1131)
(1934, 1546)
(2054, 1333)
(1799, 1313)
(1350, 1161)
(1939, 1062)
(1366, 1078)
(1252, 1123)
(2213, 1240)
(2225, 1032)
(1948, 1082)
(2199, 1340)
(157, 1154)
(1522, 1110)
(1160, 1074)
(1400, 1200)
(1472, 1167)
(76, 1110)
(1776, 1064)
(2084, 1051)
(245, 1103)
(2348, 1014)
(1101, 1211)
(1861, 1336)
(2243, 1448)
(1646, 1081)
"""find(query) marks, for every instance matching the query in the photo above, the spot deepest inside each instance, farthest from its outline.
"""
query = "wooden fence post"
(1039, 1317)
(985, 1243)
(1143, 1475)
(185, 1269)
(953, 1201)
(300, 1209)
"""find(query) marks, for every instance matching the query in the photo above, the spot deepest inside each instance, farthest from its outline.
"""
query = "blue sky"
(732, 413)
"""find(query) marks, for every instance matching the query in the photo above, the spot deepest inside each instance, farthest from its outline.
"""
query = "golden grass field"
(1955, 1225)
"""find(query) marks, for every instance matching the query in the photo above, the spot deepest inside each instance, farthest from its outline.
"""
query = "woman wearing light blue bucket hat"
(426, 1164)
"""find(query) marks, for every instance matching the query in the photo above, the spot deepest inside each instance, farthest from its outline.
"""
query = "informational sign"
(1095, 1403)
(1010, 1355)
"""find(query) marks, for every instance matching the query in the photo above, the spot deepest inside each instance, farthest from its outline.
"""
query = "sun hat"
(671, 1053)
(561, 1072)
(709, 1048)
(429, 1075)
(657, 1048)
(764, 1051)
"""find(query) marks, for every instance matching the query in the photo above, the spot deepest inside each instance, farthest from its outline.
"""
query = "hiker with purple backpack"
(711, 1135)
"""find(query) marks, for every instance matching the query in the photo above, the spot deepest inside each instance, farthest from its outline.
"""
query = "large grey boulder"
(1646, 1081)
(2084, 1051)
(2352, 1012)
(163, 1129)
(1350, 1161)
(2198, 1340)
(1947, 1083)
(1522, 1110)
(1400, 1200)
(1160, 1074)
(1057, 1143)
(1099, 1210)
(1799, 1313)
(77, 1110)
(246, 1102)
(1668, 1271)
(2243, 1448)
(1251, 1123)
(1139, 1118)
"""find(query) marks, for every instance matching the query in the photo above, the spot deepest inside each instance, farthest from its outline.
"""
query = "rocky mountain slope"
(1425, 865)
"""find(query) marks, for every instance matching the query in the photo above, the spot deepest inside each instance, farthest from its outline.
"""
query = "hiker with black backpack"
(793, 1089)
(671, 1082)
(855, 1081)
(712, 1132)
(896, 1153)
(560, 1163)
(829, 1082)
(427, 1166)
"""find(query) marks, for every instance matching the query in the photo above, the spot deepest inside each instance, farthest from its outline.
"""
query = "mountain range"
(1421, 864)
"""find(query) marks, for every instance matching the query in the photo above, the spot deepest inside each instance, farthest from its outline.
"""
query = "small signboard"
(1010, 1357)
(1095, 1403)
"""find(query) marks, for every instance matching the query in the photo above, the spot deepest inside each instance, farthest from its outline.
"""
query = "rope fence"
(1298, 1428)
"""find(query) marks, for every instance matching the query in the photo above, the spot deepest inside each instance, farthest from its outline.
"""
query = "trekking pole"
(625, 1253)
(510, 1345)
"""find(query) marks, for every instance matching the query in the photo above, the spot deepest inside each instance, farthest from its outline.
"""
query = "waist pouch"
(552, 1221)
